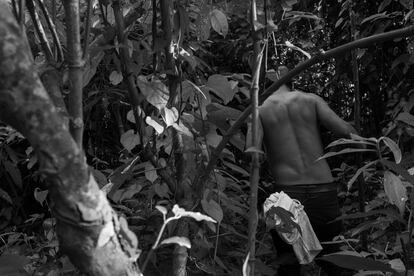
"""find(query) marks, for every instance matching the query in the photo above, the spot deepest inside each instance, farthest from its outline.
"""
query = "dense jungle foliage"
(163, 83)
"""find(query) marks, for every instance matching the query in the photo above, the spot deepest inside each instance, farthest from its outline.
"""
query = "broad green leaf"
(395, 190)
(155, 92)
(127, 193)
(356, 262)
(170, 116)
(213, 139)
(150, 172)
(348, 150)
(181, 212)
(220, 86)
(151, 122)
(5, 196)
(162, 190)
(115, 78)
(393, 147)
(236, 168)
(130, 139)
(182, 241)
(219, 22)
(359, 171)
(397, 168)
(213, 209)
(406, 118)
(131, 117)
(40, 195)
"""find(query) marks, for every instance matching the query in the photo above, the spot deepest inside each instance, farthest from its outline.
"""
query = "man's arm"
(331, 120)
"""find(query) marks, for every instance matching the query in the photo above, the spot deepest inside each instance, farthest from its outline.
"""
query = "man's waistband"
(308, 188)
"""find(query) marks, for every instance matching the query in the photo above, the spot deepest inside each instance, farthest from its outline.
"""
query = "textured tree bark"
(96, 240)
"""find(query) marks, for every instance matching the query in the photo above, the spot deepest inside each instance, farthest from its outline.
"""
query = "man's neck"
(283, 89)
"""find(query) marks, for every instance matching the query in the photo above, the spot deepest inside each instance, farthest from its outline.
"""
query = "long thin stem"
(204, 172)
(52, 29)
(134, 96)
(75, 61)
(40, 31)
(89, 11)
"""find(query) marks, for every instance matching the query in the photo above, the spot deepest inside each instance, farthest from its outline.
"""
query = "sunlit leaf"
(219, 22)
(182, 241)
(162, 209)
(170, 116)
(151, 122)
(181, 212)
(395, 190)
(130, 139)
(393, 147)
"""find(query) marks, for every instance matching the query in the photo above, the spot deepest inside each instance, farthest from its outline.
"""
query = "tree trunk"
(96, 240)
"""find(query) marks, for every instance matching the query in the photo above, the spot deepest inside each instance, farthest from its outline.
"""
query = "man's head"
(281, 72)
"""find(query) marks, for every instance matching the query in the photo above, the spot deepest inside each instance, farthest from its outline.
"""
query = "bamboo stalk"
(255, 166)
(75, 62)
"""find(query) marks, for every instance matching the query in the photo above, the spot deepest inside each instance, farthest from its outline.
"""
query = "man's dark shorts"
(320, 203)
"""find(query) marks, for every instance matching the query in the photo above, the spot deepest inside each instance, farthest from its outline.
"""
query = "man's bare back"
(290, 121)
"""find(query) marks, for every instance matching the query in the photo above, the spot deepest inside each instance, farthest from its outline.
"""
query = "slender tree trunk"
(75, 61)
(95, 239)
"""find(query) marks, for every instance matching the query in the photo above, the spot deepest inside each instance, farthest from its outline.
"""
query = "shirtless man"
(290, 133)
